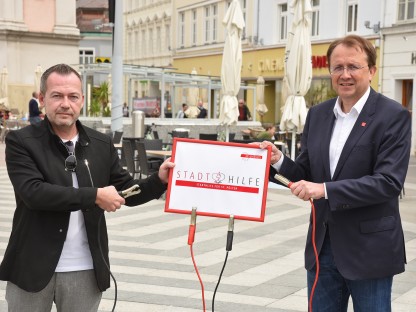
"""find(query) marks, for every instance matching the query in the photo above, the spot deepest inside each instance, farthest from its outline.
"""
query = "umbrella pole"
(227, 133)
(293, 154)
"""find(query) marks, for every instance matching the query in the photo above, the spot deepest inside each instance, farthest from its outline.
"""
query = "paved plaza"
(151, 261)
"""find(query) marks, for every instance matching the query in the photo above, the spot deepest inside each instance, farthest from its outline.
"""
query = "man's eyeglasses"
(71, 162)
(351, 69)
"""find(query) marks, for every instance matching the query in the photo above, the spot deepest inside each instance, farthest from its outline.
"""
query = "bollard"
(138, 124)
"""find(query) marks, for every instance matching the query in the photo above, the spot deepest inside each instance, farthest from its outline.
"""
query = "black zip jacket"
(45, 197)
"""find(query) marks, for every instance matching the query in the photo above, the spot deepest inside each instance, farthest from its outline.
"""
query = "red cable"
(191, 237)
(315, 251)
(199, 277)
(316, 255)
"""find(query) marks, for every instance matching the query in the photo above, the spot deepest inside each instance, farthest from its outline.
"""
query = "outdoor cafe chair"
(155, 144)
(130, 159)
(208, 136)
(117, 136)
(147, 167)
(8, 125)
(180, 134)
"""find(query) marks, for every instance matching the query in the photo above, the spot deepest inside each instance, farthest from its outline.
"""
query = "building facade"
(199, 39)
(96, 43)
(35, 33)
(398, 53)
(92, 18)
(147, 40)
(196, 41)
(187, 36)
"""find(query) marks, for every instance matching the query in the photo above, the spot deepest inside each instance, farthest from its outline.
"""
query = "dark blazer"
(203, 113)
(361, 214)
(45, 197)
(34, 108)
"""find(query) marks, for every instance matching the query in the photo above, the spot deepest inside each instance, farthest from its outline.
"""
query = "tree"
(320, 93)
(100, 100)
(95, 108)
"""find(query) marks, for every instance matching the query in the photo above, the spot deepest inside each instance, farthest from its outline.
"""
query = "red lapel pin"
(363, 124)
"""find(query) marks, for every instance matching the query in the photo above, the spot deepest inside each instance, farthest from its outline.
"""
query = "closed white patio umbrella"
(231, 65)
(261, 106)
(3, 87)
(192, 98)
(38, 75)
(109, 87)
(298, 70)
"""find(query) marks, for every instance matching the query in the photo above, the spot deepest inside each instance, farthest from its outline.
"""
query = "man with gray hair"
(65, 176)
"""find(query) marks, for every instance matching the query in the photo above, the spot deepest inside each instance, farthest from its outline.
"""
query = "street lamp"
(375, 27)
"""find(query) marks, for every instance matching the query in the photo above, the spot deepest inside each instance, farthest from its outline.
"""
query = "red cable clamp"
(192, 227)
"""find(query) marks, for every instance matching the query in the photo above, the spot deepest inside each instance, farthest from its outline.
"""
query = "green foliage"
(101, 94)
(95, 108)
(319, 92)
(99, 101)
(107, 112)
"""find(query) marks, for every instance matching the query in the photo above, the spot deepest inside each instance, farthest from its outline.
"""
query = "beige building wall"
(32, 12)
(195, 49)
(210, 12)
(174, 34)
(147, 40)
(32, 33)
(147, 33)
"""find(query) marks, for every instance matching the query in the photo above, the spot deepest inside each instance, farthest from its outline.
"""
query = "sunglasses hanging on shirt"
(71, 160)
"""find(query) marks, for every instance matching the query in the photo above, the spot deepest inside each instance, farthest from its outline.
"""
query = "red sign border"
(201, 213)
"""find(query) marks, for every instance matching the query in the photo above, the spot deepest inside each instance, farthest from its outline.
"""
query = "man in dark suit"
(65, 176)
(203, 113)
(34, 111)
(353, 163)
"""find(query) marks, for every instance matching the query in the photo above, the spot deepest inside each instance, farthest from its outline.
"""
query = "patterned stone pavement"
(151, 260)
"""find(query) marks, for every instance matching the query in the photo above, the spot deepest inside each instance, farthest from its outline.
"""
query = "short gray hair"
(61, 69)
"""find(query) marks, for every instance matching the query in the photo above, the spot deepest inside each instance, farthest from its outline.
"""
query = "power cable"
(228, 248)
(191, 238)
(100, 247)
(288, 183)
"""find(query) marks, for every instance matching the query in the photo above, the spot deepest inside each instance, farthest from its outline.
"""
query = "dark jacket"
(203, 113)
(361, 214)
(244, 113)
(45, 197)
(34, 108)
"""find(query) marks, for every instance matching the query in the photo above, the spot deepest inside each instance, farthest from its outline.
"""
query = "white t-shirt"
(76, 254)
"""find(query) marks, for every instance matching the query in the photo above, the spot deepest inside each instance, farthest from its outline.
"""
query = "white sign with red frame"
(220, 179)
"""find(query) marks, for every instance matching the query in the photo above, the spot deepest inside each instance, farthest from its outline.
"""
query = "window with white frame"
(194, 27)
(135, 53)
(182, 29)
(158, 39)
(129, 44)
(151, 41)
(243, 8)
(352, 16)
(210, 23)
(135, 45)
(167, 37)
(282, 18)
(214, 22)
(406, 10)
(315, 18)
(207, 24)
(86, 55)
(144, 42)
